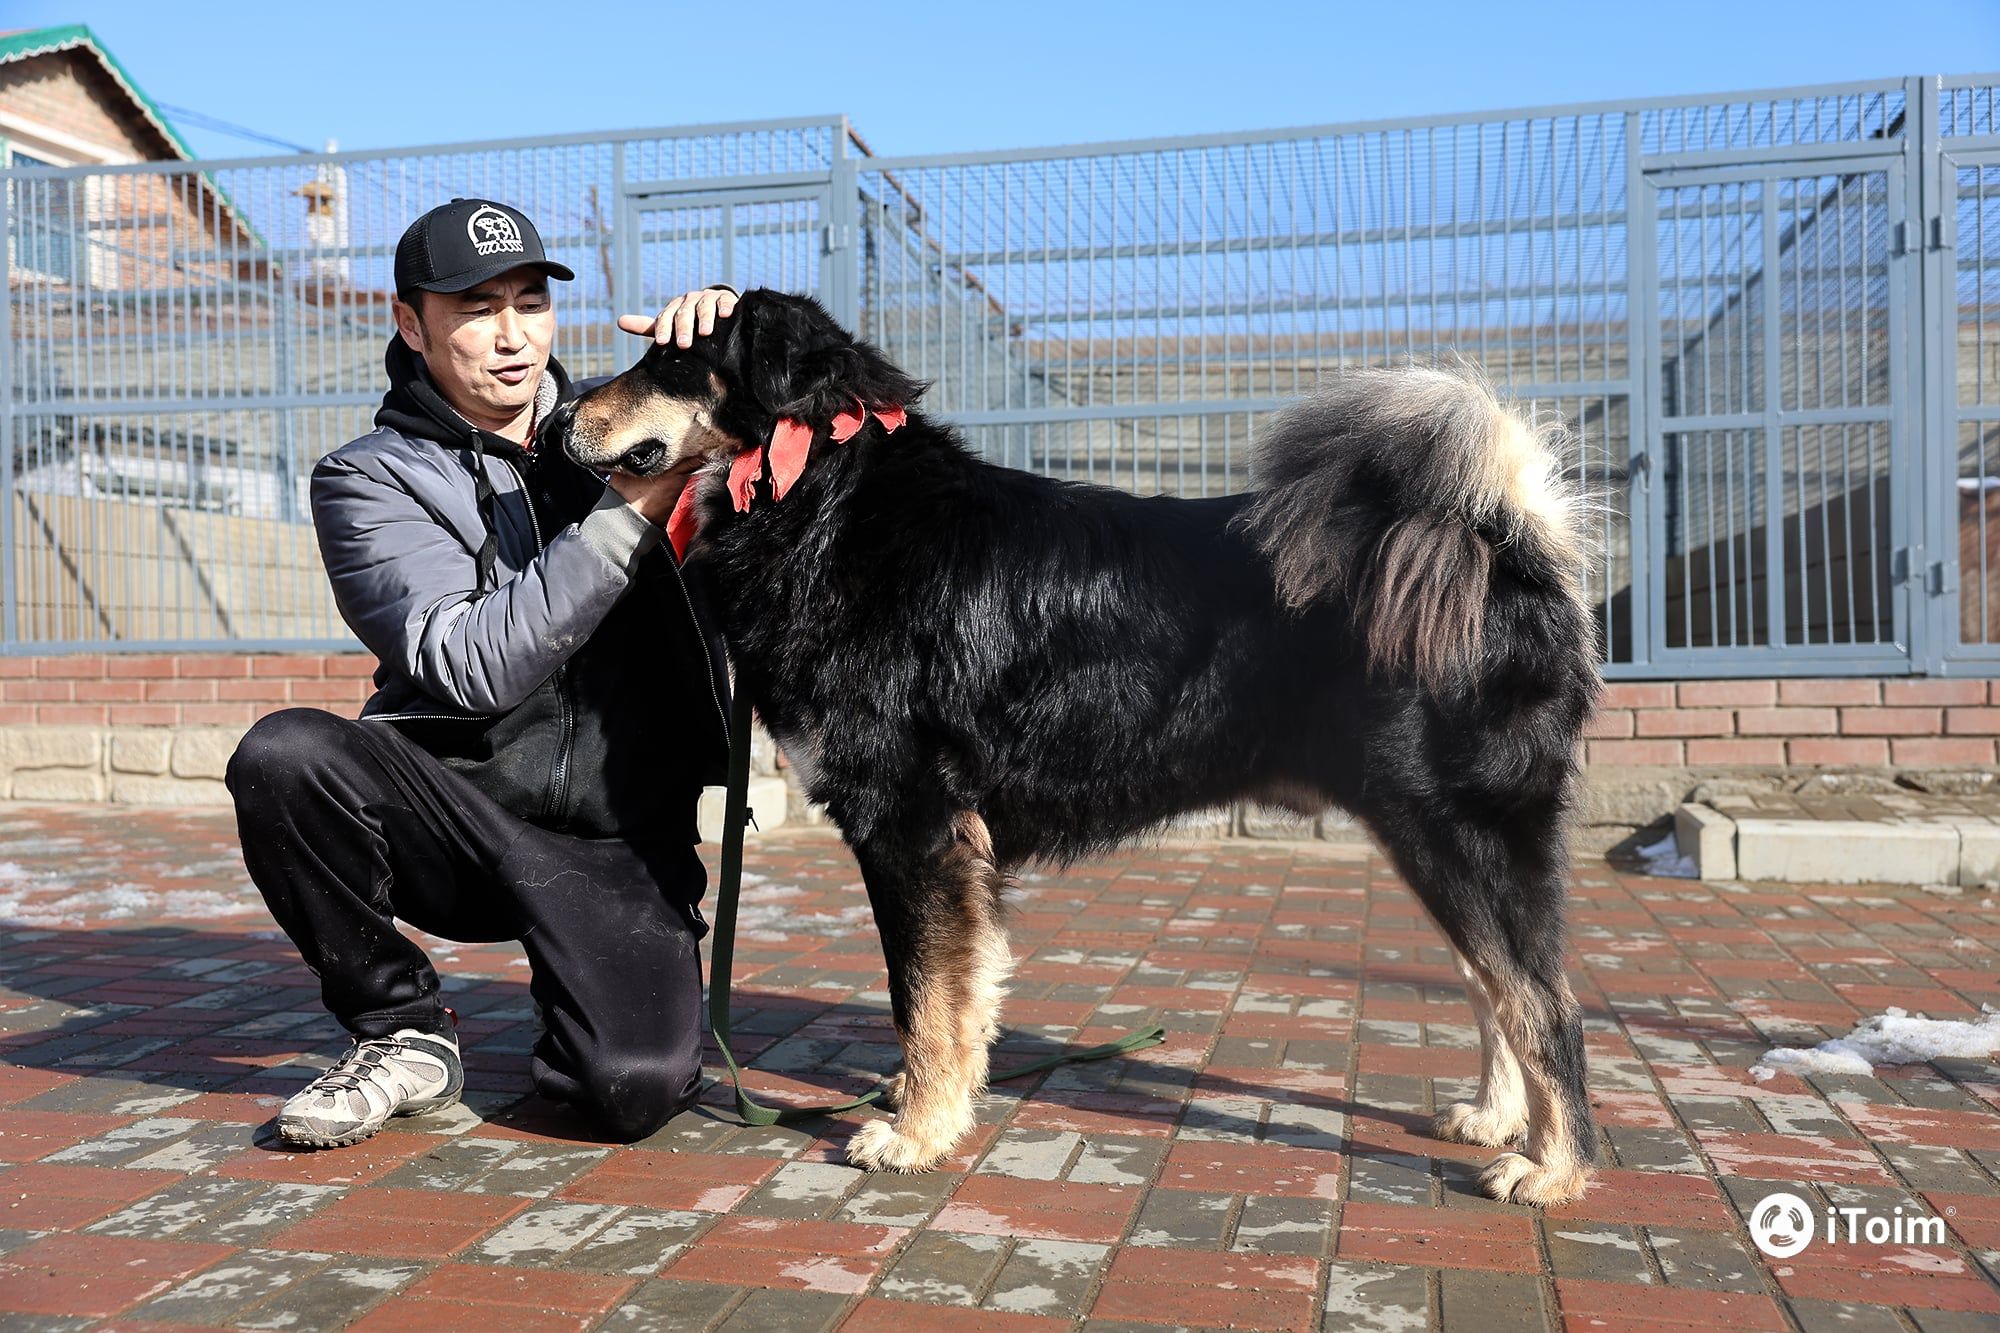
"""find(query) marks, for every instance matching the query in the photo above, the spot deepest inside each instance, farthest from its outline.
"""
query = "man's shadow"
(237, 1013)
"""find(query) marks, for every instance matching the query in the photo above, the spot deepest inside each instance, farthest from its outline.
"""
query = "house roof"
(26, 43)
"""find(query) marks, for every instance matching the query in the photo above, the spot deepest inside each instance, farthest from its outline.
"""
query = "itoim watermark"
(1783, 1225)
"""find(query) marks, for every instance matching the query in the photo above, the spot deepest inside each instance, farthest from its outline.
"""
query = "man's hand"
(684, 317)
(653, 497)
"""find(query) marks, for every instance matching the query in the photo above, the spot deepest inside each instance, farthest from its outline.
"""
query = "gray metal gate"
(1777, 465)
(1962, 391)
(746, 233)
(1771, 322)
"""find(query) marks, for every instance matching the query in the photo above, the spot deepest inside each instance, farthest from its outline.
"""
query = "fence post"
(1642, 360)
(1928, 377)
(843, 284)
(283, 305)
(9, 594)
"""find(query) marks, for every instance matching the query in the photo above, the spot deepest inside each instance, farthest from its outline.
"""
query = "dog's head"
(777, 357)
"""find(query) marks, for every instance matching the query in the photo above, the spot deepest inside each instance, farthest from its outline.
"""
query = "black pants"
(348, 825)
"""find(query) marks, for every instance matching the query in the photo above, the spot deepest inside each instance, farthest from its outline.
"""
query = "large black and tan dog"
(972, 667)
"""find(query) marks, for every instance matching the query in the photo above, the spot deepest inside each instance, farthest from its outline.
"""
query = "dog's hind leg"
(1498, 895)
(939, 911)
(1499, 1114)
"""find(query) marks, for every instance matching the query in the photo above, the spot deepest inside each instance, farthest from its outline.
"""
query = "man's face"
(485, 347)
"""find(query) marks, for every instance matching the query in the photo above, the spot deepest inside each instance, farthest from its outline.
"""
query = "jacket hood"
(414, 407)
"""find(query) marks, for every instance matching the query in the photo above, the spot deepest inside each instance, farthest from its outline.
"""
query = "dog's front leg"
(938, 909)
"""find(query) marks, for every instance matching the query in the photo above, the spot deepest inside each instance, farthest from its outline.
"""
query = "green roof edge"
(68, 35)
(79, 34)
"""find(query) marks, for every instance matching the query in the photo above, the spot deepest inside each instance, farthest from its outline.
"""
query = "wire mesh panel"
(184, 341)
(684, 245)
(1133, 316)
(1709, 294)
(680, 249)
(1715, 592)
(1974, 402)
(1776, 319)
(1835, 319)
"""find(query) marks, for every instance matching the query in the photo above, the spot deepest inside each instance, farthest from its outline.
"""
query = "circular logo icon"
(1782, 1225)
(493, 232)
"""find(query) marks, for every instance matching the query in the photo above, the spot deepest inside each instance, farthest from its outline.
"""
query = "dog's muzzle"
(555, 432)
(642, 459)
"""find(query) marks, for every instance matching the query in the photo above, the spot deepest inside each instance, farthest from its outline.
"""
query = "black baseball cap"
(463, 243)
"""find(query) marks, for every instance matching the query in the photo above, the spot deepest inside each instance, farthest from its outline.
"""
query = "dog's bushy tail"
(1408, 492)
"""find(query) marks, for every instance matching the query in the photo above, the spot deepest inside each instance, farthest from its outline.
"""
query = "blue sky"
(943, 76)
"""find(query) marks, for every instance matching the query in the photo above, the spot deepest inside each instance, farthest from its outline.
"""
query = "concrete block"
(1631, 796)
(1819, 851)
(1978, 853)
(57, 784)
(1708, 837)
(203, 752)
(55, 747)
(144, 789)
(141, 750)
(768, 801)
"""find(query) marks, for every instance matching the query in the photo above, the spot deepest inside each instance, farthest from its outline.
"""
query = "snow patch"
(23, 905)
(1894, 1038)
(1663, 859)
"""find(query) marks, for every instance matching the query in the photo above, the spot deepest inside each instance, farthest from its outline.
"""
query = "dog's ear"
(796, 361)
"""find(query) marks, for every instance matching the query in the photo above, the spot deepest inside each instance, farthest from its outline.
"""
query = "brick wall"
(1799, 723)
(159, 728)
(69, 90)
(182, 690)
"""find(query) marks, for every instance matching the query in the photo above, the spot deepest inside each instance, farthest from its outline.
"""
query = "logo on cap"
(493, 232)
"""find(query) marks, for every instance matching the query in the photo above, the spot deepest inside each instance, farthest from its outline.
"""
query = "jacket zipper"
(566, 722)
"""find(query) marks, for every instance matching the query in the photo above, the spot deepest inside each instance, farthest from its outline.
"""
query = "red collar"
(791, 440)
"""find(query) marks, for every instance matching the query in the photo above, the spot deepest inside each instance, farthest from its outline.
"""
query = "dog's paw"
(892, 1094)
(1469, 1122)
(1513, 1178)
(877, 1146)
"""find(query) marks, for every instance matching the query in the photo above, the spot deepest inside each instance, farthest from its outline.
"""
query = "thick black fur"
(927, 634)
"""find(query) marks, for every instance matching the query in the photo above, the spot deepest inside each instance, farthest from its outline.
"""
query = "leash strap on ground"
(735, 814)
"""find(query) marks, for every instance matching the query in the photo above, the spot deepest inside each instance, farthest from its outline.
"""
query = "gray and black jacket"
(532, 630)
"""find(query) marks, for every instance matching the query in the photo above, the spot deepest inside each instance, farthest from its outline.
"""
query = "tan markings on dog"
(1548, 1172)
(1499, 1113)
(1512, 473)
(954, 1015)
(624, 413)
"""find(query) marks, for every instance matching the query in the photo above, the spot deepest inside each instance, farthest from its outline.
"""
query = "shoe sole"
(294, 1133)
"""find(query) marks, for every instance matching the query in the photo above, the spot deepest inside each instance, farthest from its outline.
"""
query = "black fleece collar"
(414, 406)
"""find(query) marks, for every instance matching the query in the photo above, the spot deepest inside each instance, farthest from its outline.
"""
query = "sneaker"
(402, 1074)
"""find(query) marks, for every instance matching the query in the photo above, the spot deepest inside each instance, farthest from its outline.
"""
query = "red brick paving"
(420, 1224)
(1270, 1167)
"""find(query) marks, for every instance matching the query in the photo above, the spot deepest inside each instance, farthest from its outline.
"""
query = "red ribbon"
(791, 441)
(683, 523)
(743, 478)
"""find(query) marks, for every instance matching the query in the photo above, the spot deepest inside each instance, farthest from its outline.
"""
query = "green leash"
(734, 816)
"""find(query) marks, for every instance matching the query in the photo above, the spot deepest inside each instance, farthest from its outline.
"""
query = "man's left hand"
(684, 317)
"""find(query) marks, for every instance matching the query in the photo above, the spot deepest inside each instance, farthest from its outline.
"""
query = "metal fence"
(1768, 321)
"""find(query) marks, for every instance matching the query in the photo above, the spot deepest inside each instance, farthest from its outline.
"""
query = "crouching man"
(549, 703)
